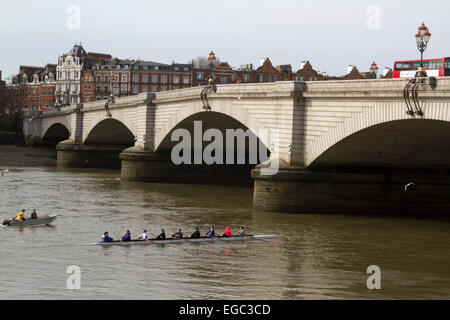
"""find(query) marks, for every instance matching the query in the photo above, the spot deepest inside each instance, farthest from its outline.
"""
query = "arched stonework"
(92, 119)
(168, 119)
(120, 134)
(65, 133)
(47, 122)
(362, 115)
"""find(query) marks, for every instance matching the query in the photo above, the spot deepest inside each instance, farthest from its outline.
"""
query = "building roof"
(353, 75)
(77, 51)
(267, 67)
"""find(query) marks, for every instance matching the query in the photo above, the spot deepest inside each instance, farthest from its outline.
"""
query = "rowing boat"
(42, 221)
(186, 240)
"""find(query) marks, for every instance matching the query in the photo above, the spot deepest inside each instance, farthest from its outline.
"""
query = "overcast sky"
(331, 34)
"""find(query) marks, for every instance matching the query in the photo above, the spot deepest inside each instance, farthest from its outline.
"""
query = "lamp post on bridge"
(422, 39)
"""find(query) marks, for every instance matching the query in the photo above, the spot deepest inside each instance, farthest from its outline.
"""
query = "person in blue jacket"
(210, 232)
(126, 236)
(106, 238)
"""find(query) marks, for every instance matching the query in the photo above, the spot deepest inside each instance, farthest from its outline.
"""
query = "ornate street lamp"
(422, 39)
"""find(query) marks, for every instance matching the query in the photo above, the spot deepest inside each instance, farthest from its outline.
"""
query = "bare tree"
(12, 101)
(202, 62)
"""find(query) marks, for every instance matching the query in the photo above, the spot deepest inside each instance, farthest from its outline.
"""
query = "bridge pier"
(298, 190)
(77, 155)
(140, 165)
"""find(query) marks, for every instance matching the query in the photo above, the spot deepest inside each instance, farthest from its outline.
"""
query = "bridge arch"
(110, 132)
(371, 120)
(228, 113)
(55, 133)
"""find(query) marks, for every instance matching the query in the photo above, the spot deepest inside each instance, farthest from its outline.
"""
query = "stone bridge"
(342, 146)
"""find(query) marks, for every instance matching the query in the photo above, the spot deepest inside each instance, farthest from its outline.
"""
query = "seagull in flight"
(409, 185)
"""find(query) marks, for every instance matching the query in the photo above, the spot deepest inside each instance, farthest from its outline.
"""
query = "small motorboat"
(42, 221)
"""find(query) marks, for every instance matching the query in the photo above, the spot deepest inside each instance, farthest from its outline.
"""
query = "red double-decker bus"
(434, 67)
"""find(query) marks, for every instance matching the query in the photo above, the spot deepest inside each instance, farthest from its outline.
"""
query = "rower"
(126, 236)
(20, 216)
(143, 236)
(34, 214)
(162, 235)
(106, 238)
(227, 232)
(210, 232)
(196, 234)
(178, 235)
(241, 232)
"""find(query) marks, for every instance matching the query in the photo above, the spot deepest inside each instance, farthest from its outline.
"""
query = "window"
(186, 69)
(156, 68)
(116, 78)
(86, 99)
(145, 78)
(106, 78)
(199, 75)
(124, 89)
(145, 67)
(99, 78)
(186, 80)
(163, 88)
(154, 89)
(163, 79)
(135, 89)
(115, 89)
(136, 78)
(106, 88)
(154, 78)
(124, 78)
(399, 66)
(176, 68)
(176, 79)
(144, 89)
(98, 88)
(223, 80)
(246, 78)
(261, 77)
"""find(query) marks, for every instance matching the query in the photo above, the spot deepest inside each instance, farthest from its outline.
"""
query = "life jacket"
(107, 239)
(227, 233)
(20, 216)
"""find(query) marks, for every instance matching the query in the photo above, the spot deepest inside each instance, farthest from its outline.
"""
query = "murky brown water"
(316, 257)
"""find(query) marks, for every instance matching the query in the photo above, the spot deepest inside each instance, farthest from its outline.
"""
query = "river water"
(316, 256)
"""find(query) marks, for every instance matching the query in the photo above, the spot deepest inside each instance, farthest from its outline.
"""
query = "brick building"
(267, 72)
(41, 85)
